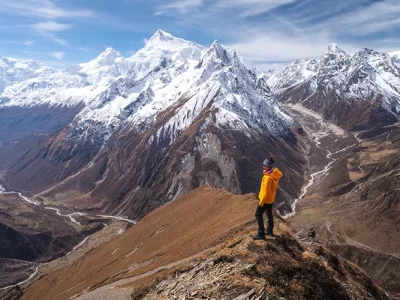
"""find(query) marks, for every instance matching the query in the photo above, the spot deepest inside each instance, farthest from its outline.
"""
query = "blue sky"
(269, 33)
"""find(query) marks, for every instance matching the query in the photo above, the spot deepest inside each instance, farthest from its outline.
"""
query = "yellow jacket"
(268, 188)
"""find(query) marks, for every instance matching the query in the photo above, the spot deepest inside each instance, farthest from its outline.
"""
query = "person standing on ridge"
(266, 197)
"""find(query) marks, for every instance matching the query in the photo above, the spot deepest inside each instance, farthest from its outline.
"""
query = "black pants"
(260, 219)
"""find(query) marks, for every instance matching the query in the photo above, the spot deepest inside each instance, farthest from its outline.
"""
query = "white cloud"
(264, 49)
(47, 29)
(42, 9)
(24, 43)
(243, 8)
(50, 26)
(265, 66)
(376, 17)
(58, 55)
(182, 6)
(28, 43)
(46, 13)
(59, 41)
(250, 7)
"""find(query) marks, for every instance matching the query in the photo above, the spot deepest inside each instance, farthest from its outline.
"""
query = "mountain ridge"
(355, 91)
(205, 232)
(172, 94)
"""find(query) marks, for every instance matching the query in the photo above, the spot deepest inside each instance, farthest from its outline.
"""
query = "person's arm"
(264, 186)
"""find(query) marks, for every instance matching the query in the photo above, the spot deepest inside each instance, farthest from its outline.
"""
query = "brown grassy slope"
(198, 221)
(175, 231)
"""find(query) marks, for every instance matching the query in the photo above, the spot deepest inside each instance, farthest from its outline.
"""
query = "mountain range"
(356, 91)
(174, 105)
(123, 136)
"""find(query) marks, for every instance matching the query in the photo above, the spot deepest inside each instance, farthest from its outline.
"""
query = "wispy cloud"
(47, 14)
(49, 28)
(58, 55)
(182, 6)
(267, 32)
(23, 43)
(28, 43)
(376, 17)
(244, 8)
(42, 9)
(272, 32)
(249, 8)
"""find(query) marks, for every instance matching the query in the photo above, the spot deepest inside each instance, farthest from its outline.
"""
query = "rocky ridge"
(354, 91)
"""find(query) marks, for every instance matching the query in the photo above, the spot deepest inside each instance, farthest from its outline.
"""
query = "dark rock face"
(15, 244)
(14, 271)
(136, 173)
(12, 294)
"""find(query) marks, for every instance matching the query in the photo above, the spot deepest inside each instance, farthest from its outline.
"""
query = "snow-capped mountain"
(117, 90)
(340, 81)
(14, 71)
(195, 111)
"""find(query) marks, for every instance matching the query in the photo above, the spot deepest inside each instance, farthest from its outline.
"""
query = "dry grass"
(367, 158)
(193, 223)
(354, 176)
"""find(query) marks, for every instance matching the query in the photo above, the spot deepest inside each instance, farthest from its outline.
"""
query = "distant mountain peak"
(333, 48)
(161, 36)
(107, 57)
(217, 50)
(111, 53)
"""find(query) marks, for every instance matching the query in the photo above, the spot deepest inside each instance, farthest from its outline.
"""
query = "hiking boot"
(259, 236)
(269, 233)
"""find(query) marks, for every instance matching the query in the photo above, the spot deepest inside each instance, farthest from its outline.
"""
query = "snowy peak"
(334, 56)
(164, 41)
(14, 71)
(217, 49)
(217, 53)
(161, 36)
(27, 65)
(333, 48)
(338, 78)
(366, 52)
(106, 58)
